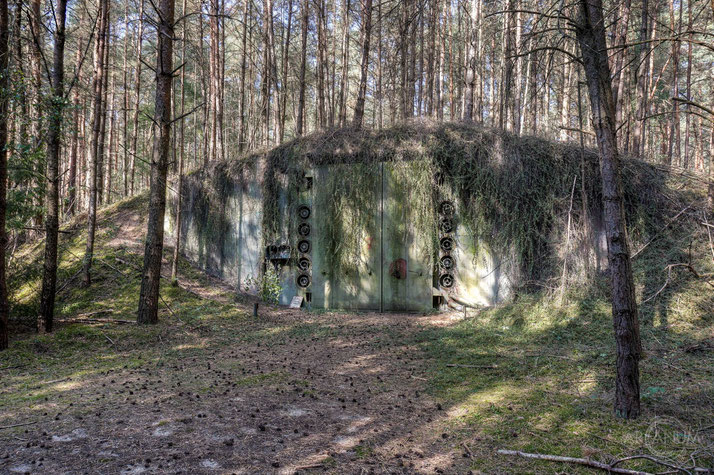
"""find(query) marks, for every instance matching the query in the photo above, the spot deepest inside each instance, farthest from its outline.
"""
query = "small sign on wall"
(296, 302)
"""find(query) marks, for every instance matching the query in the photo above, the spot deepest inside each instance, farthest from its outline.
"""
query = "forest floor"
(212, 390)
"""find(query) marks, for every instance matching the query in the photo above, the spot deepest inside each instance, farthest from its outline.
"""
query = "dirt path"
(326, 393)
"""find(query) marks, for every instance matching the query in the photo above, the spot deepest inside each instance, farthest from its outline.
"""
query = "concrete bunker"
(403, 219)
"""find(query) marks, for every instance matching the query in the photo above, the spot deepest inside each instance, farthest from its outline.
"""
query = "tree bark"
(366, 35)
(49, 277)
(300, 121)
(4, 110)
(137, 99)
(151, 276)
(345, 63)
(97, 85)
(285, 81)
(470, 82)
(590, 32)
(74, 147)
(247, 9)
(179, 186)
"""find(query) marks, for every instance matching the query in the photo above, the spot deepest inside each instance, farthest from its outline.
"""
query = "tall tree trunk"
(247, 9)
(321, 64)
(102, 153)
(151, 276)
(641, 54)
(300, 121)
(49, 277)
(366, 35)
(688, 118)
(37, 33)
(590, 32)
(125, 105)
(4, 111)
(179, 185)
(285, 81)
(267, 67)
(111, 148)
(345, 63)
(137, 98)
(619, 79)
(674, 150)
(471, 65)
(96, 120)
(74, 146)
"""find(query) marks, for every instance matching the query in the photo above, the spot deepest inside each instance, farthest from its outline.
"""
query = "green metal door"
(368, 259)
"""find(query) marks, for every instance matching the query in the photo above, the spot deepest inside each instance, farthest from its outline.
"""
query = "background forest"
(255, 74)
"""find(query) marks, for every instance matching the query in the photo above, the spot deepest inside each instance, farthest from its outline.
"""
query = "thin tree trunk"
(299, 122)
(151, 276)
(179, 186)
(267, 68)
(102, 153)
(247, 9)
(345, 63)
(37, 33)
(688, 117)
(284, 88)
(97, 83)
(366, 35)
(591, 36)
(673, 151)
(379, 106)
(4, 110)
(74, 146)
(471, 65)
(641, 53)
(49, 277)
(111, 149)
(137, 98)
(125, 104)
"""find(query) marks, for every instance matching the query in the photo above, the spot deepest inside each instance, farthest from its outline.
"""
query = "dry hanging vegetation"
(517, 193)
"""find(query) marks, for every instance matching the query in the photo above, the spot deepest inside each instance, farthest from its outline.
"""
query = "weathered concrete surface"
(394, 268)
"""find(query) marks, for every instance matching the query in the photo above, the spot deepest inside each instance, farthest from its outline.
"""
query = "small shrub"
(267, 286)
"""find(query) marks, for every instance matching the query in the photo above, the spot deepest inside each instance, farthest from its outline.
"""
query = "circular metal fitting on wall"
(304, 229)
(304, 211)
(303, 264)
(446, 224)
(303, 280)
(446, 281)
(448, 262)
(446, 244)
(447, 208)
(304, 246)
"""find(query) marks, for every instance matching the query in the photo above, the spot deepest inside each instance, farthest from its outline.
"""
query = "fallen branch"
(96, 320)
(19, 425)
(108, 339)
(574, 460)
(13, 367)
(490, 366)
(96, 312)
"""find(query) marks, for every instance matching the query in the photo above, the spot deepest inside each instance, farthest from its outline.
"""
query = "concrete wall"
(222, 229)
(394, 266)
